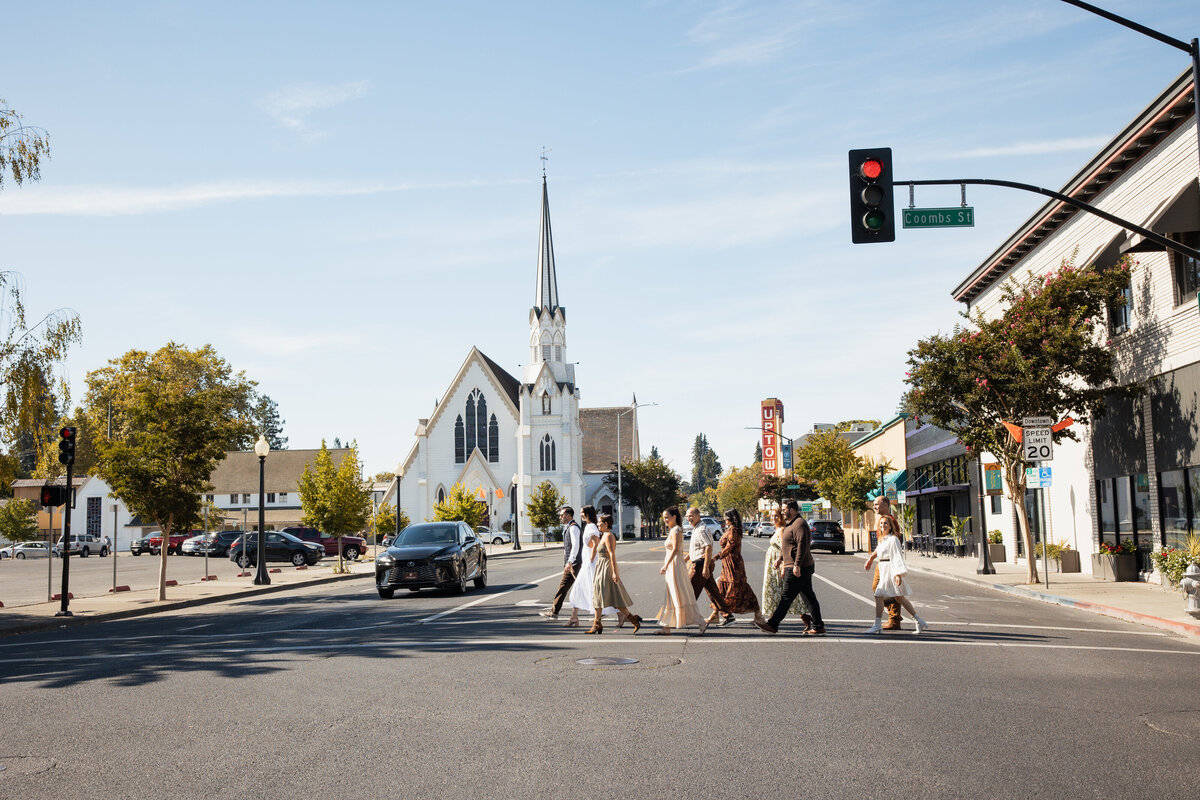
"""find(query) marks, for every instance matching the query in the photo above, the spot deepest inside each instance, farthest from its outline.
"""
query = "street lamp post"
(261, 448)
(620, 496)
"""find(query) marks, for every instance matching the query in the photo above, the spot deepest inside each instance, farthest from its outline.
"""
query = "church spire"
(546, 296)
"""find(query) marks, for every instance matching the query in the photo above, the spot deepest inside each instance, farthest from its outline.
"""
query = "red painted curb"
(172, 583)
(118, 589)
(70, 596)
(302, 566)
(1, 605)
(242, 575)
(277, 569)
(1184, 628)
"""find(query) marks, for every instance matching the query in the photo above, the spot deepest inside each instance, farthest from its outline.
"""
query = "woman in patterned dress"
(772, 588)
(735, 589)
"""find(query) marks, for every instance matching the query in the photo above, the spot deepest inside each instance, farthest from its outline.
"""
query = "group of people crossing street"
(591, 580)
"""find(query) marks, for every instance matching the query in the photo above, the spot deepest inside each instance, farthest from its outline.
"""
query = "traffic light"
(872, 210)
(66, 446)
(53, 495)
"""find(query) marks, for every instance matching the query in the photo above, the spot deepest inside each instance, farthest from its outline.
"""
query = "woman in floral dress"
(735, 589)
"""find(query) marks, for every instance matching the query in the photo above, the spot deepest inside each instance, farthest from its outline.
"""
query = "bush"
(1171, 563)
(995, 537)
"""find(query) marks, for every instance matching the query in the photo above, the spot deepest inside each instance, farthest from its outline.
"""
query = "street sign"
(993, 479)
(891, 492)
(793, 486)
(1037, 422)
(806, 508)
(1037, 478)
(786, 450)
(955, 217)
(1038, 444)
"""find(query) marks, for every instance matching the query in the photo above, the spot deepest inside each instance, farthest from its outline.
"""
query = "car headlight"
(385, 560)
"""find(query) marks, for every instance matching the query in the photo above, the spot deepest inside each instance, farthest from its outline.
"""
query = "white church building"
(501, 437)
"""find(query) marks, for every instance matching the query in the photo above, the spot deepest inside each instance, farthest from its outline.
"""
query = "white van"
(83, 545)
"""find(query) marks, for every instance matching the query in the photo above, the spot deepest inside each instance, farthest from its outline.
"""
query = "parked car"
(352, 546)
(750, 528)
(432, 555)
(765, 529)
(83, 545)
(828, 535)
(280, 546)
(174, 542)
(192, 545)
(25, 550)
(139, 546)
(486, 534)
(218, 544)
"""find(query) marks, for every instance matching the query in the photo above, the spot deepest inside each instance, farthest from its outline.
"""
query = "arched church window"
(470, 415)
(547, 460)
(493, 440)
(460, 450)
(546, 346)
(558, 347)
(545, 402)
(441, 495)
(481, 423)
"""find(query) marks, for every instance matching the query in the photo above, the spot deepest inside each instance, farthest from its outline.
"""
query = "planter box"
(1068, 561)
(960, 550)
(1122, 567)
(997, 553)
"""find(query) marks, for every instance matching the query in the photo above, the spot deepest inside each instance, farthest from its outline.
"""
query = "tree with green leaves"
(846, 425)
(461, 505)
(775, 487)
(333, 498)
(385, 521)
(22, 147)
(267, 423)
(706, 468)
(542, 509)
(739, 489)
(1045, 355)
(18, 521)
(649, 484)
(706, 502)
(757, 452)
(174, 414)
(653, 451)
(837, 474)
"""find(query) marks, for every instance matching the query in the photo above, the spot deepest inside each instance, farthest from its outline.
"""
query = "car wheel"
(20, 556)
(386, 594)
(312, 562)
(243, 561)
(104, 552)
(497, 540)
(481, 580)
(85, 552)
(350, 553)
(461, 586)
(297, 559)
(154, 552)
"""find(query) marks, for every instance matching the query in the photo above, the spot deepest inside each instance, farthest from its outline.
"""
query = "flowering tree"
(1044, 356)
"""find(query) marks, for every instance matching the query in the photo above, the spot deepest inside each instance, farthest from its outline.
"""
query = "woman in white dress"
(892, 570)
(679, 607)
(772, 586)
(580, 597)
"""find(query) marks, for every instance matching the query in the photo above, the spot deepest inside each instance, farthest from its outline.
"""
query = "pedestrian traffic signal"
(66, 446)
(871, 207)
(53, 495)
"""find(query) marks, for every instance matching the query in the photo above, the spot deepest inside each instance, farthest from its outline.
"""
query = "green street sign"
(806, 508)
(793, 486)
(955, 217)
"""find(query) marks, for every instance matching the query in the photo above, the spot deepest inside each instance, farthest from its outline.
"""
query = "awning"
(892, 482)
(1179, 215)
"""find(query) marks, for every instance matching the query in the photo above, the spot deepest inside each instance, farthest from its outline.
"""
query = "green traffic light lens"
(873, 220)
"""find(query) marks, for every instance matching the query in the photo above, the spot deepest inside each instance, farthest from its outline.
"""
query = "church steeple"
(546, 296)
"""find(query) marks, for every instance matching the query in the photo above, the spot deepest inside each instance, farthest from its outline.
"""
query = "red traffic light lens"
(67, 433)
(871, 169)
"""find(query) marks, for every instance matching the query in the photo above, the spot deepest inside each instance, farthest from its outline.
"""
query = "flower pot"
(1068, 561)
(997, 553)
(960, 550)
(1119, 567)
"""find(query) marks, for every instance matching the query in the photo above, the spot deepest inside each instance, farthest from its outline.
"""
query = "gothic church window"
(460, 452)
(481, 423)
(470, 415)
(493, 440)
(441, 495)
(547, 460)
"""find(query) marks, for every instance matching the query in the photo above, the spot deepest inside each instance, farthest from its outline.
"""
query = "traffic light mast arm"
(1190, 252)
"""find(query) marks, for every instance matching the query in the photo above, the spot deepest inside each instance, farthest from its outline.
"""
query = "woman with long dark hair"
(607, 589)
(735, 589)
(679, 605)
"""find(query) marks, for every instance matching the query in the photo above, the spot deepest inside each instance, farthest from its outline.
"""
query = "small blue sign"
(1044, 474)
(787, 457)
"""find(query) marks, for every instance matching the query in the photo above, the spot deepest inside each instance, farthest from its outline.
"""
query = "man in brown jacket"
(883, 508)
(796, 562)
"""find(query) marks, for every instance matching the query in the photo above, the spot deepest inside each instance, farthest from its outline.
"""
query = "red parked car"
(173, 544)
(352, 546)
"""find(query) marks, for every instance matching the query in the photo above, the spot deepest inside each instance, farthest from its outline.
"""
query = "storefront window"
(1124, 504)
(1108, 516)
(1143, 535)
(1172, 504)
(1193, 475)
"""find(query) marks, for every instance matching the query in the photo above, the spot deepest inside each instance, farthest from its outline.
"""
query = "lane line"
(531, 585)
(841, 588)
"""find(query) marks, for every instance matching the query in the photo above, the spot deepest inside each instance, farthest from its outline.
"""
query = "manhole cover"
(606, 661)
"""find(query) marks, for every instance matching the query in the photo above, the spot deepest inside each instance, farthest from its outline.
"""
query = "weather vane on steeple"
(544, 158)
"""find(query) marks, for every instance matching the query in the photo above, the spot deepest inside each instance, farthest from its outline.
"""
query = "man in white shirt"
(572, 559)
(701, 563)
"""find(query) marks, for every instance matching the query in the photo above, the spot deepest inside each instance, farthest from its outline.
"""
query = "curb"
(1181, 628)
(144, 611)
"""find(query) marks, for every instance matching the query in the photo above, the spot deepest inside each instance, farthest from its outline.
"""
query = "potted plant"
(1116, 562)
(1052, 552)
(1068, 559)
(1171, 562)
(996, 551)
(956, 530)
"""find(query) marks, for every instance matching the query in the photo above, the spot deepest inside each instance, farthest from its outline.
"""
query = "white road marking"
(840, 588)
(530, 585)
(196, 627)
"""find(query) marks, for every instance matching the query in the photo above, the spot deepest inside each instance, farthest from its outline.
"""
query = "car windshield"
(428, 534)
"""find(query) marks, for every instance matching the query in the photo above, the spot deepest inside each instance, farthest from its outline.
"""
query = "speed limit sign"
(1038, 443)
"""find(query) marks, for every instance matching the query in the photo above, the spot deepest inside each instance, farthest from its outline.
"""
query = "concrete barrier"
(118, 589)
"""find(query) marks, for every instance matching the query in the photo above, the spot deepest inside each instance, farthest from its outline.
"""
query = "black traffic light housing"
(53, 495)
(872, 208)
(66, 446)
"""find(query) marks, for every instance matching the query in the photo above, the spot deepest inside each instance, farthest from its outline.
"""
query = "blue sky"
(343, 198)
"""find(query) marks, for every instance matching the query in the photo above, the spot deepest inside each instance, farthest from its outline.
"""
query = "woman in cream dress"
(679, 604)
(892, 574)
(607, 589)
(772, 587)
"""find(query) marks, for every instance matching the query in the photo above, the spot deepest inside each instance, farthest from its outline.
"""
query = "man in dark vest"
(572, 559)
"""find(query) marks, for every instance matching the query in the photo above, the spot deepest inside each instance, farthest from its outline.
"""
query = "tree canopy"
(542, 508)
(18, 521)
(1045, 355)
(647, 483)
(837, 474)
(334, 498)
(461, 505)
(22, 147)
(706, 467)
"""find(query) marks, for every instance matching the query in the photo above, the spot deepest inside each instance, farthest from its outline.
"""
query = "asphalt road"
(331, 692)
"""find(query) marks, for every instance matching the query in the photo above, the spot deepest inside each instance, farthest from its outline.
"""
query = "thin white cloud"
(286, 345)
(292, 105)
(1032, 148)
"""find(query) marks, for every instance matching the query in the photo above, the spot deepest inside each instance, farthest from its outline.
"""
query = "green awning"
(894, 481)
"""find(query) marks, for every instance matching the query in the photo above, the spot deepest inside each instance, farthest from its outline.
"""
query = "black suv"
(828, 535)
(218, 544)
(279, 547)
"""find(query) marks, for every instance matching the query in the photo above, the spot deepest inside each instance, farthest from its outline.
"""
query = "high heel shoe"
(636, 621)
(596, 628)
(713, 617)
(621, 617)
(572, 624)
(703, 626)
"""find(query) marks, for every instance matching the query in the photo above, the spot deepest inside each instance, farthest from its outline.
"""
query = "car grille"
(425, 572)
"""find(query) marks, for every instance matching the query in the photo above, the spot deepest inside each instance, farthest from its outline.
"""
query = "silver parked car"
(26, 550)
(486, 534)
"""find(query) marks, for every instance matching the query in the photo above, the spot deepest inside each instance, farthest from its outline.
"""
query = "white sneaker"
(876, 628)
(921, 625)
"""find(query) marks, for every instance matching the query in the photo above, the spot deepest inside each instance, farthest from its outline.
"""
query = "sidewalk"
(1143, 603)
(122, 605)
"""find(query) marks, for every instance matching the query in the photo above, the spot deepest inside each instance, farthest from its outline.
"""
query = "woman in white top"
(892, 570)
(580, 597)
